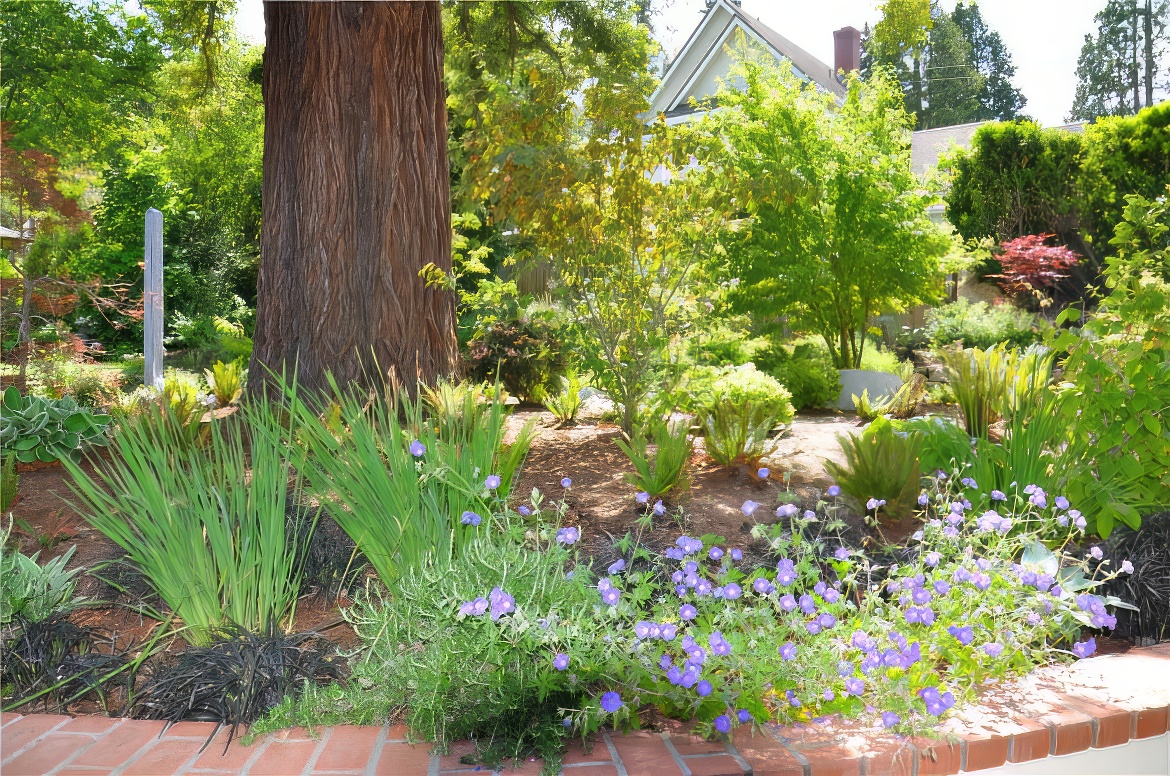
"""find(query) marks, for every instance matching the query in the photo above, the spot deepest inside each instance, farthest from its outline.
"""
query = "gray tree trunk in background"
(152, 301)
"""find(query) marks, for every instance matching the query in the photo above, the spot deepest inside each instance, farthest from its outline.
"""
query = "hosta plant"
(31, 591)
(37, 429)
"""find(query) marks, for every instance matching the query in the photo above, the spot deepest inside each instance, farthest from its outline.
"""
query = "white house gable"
(706, 59)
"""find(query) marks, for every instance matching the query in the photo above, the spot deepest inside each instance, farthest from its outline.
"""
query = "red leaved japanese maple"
(1030, 264)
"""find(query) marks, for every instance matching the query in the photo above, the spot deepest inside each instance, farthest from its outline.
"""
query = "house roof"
(694, 62)
(927, 145)
(812, 67)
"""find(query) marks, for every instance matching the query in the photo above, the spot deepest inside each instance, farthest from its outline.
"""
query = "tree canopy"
(953, 68)
(1120, 64)
(835, 226)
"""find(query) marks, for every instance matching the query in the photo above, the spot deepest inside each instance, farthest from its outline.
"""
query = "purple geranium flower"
(566, 483)
(1083, 649)
(642, 497)
(749, 507)
(524, 510)
(492, 482)
(501, 603)
(965, 634)
(704, 688)
(788, 602)
(611, 702)
(923, 499)
(417, 449)
(568, 535)
(474, 608)
(998, 495)
(736, 554)
(561, 661)
(688, 612)
(936, 703)
(855, 686)
(787, 510)
(719, 645)
(732, 591)
(470, 518)
(715, 553)
(659, 508)
(723, 723)
(763, 472)
(889, 719)
(617, 566)
(993, 649)
(744, 715)
(788, 651)
(833, 491)
(841, 553)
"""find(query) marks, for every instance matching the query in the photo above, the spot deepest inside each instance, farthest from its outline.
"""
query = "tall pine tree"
(998, 99)
(954, 69)
(1120, 65)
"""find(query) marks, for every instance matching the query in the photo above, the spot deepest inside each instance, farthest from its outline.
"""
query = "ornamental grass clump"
(881, 464)
(665, 470)
(205, 524)
(401, 475)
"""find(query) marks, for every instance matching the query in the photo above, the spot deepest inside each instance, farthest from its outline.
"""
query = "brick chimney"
(846, 50)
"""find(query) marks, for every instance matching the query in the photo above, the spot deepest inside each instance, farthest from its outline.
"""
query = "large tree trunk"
(356, 195)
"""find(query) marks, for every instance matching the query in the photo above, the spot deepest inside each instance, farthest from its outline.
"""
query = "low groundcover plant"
(517, 641)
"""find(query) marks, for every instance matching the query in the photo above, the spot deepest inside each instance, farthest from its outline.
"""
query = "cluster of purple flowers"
(992, 521)
(644, 631)
(498, 603)
(1087, 602)
(684, 546)
(936, 703)
(609, 594)
(689, 673)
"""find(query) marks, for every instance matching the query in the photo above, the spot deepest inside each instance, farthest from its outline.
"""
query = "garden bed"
(1099, 703)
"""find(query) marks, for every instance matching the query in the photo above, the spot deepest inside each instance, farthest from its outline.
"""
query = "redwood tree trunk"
(355, 195)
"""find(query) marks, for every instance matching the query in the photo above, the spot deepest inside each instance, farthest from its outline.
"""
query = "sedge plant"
(205, 524)
(566, 403)
(666, 469)
(881, 464)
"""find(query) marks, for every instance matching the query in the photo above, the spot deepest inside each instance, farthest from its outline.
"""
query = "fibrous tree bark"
(355, 195)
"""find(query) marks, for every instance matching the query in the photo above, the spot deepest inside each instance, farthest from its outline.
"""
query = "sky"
(1044, 36)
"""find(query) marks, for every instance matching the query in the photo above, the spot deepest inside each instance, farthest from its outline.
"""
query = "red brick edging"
(1099, 703)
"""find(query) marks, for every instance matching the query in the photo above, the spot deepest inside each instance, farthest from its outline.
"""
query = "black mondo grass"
(234, 681)
(56, 662)
(331, 564)
(1148, 587)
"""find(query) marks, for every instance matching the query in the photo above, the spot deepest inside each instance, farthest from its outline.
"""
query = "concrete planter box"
(881, 385)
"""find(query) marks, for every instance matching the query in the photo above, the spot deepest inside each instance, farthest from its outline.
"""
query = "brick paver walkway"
(1100, 702)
